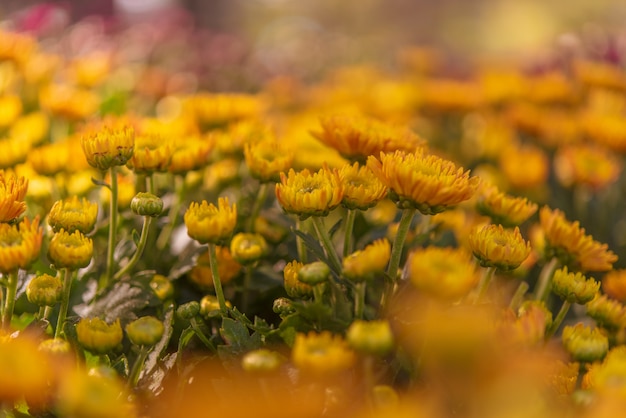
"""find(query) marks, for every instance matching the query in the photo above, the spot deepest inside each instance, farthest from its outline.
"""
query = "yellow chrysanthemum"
(108, 143)
(585, 343)
(321, 354)
(221, 173)
(90, 70)
(19, 244)
(50, 159)
(600, 74)
(608, 313)
(97, 336)
(14, 151)
(525, 166)
(231, 141)
(425, 182)
(152, 153)
(68, 102)
(207, 223)
(16, 47)
(356, 138)
(227, 267)
(73, 214)
(574, 287)
(586, 165)
(446, 95)
(12, 192)
(41, 68)
(70, 250)
(361, 188)
(446, 273)
(551, 87)
(568, 242)
(495, 246)
(10, 109)
(309, 194)
(366, 263)
(214, 110)
(32, 128)
(608, 377)
(504, 209)
(614, 284)
(267, 158)
(608, 130)
(293, 286)
(248, 248)
(190, 154)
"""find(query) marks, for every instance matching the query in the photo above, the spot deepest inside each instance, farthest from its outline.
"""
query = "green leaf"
(237, 337)
(183, 340)
(136, 237)
(335, 227)
(313, 245)
(100, 183)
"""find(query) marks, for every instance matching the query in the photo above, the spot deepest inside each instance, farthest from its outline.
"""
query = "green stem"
(485, 281)
(65, 302)
(543, 284)
(166, 233)
(518, 296)
(217, 284)
(318, 293)
(46, 312)
(258, 204)
(150, 183)
(133, 377)
(302, 254)
(359, 299)
(327, 243)
(245, 297)
(41, 312)
(558, 320)
(143, 239)
(196, 328)
(348, 242)
(112, 230)
(7, 314)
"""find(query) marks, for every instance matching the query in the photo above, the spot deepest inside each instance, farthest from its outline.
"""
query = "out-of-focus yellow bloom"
(552, 127)
(267, 158)
(50, 159)
(16, 47)
(227, 267)
(321, 354)
(12, 192)
(446, 273)
(68, 102)
(587, 165)
(190, 154)
(609, 375)
(608, 313)
(293, 286)
(25, 372)
(366, 263)
(231, 141)
(528, 328)
(382, 214)
(550, 88)
(614, 284)
(41, 68)
(152, 153)
(248, 248)
(14, 151)
(309, 194)
(108, 144)
(96, 394)
(362, 189)
(606, 129)
(504, 209)
(207, 223)
(272, 232)
(525, 167)
(97, 336)
(10, 110)
(125, 188)
(73, 214)
(460, 221)
(70, 250)
(446, 95)
(425, 182)
(215, 110)
(568, 242)
(585, 344)
(90, 70)
(44, 290)
(501, 85)
(19, 244)
(261, 361)
(574, 287)
(356, 138)
(485, 136)
(600, 74)
(370, 337)
(497, 247)
(32, 128)
(222, 173)
(146, 330)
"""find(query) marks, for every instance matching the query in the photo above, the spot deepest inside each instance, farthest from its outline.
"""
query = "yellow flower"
(231, 141)
(214, 110)
(525, 167)
(267, 158)
(382, 214)
(366, 263)
(568, 242)
(97, 336)
(32, 128)
(309, 194)
(614, 284)
(608, 313)
(362, 189)
(19, 244)
(16, 47)
(587, 165)
(146, 330)
(504, 209)
(425, 182)
(50, 159)
(10, 110)
(12, 192)
(452, 95)
(207, 223)
(294, 287)
(606, 129)
(356, 137)
(73, 214)
(91, 69)
(321, 354)
(495, 246)
(247, 248)
(609, 375)
(600, 74)
(221, 173)
(14, 151)
(152, 153)
(574, 287)
(68, 102)
(227, 267)
(108, 144)
(190, 154)
(70, 250)
(446, 273)
(370, 337)
(584, 343)
(44, 290)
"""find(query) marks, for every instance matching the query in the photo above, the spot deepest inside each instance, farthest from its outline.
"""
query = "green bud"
(188, 310)
(162, 287)
(283, 306)
(44, 290)
(146, 204)
(147, 331)
(373, 337)
(574, 287)
(585, 344)
(314, 273)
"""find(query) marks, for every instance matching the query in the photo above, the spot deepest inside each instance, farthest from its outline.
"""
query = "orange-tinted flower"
(362, 189)
(32, 128)
(504, 209)
(267, 158)
(190, 154)
(207, 223)
(568, 242)
(91, 69)
(608, 130)
(215, 110)
(366, 263)
(586, 165)
(50, 159)
(525, 167)
(614, 284)
(293, 286)
(14, 151)
(356, 138)
(495, 246)
(70, 250)
(152, 153)
(309, 194)
(12, 192)
(321, 354)
(600, 74)
(108, 143)
(231, 141)
(97, 336)
(73, 214)
(550, 88)
(227, 267)
(574, 287)
(68, 102)
(425, 182)
(10, 110)
(16, 47)
(19, 244)
(446, 273)
(446, 95)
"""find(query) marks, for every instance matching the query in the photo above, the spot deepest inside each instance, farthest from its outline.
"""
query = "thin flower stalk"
(545, 277)
(9, 304)
(484, 283)
(258, 204)
(141, 245)
(348, 242)
(327, 243)
(216, 279)
(112, 230)
(65, 301)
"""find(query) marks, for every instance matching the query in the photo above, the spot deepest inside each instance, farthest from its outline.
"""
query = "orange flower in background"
(309, 194)
(19, 244)
(32, 128)
(586, 165)
(362, 189)
(16, 47)
(191, 153)
(614, 284)
(524, 166)
(108, 143)
(68, 102)
(448, 95)
(151, 153)
(267, 158)
(50, 159)
(14, 152)
(425, 182)
(322, 354)
(10, 109)
(356, 137)
(568, 242)
(12, 192)
(366, 263)
(215, 110)
(608, 130)
(502, 208)
(227, 267)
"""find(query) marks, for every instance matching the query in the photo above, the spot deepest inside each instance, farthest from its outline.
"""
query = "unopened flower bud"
(283, 306)
(373, 337)
(574, 287)
(72, 251)
(146, 330)
(585, 344)
(247, 248)
(210, 306)
(314, 273)
(608, 313)
(97, 336)
(293, 286)
(146, 204)
(188, 310)
(261, 361)
(44, 290)
(162, 287)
